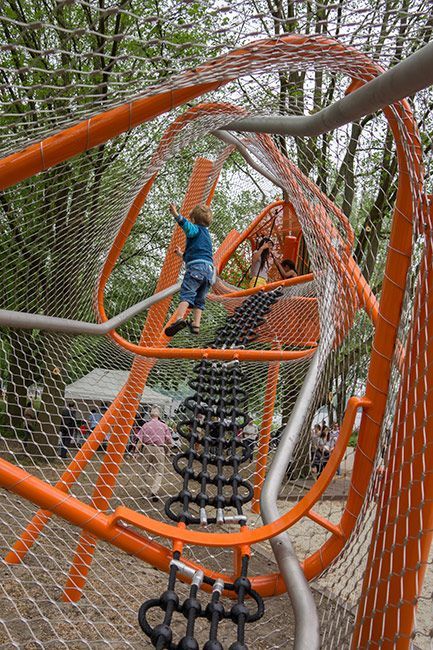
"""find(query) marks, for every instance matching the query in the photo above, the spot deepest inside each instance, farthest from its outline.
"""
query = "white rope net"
(61, 63)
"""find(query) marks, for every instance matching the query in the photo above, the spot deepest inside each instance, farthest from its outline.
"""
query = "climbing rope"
(213, 491)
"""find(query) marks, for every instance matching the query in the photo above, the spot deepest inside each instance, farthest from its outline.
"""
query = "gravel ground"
(33, 616)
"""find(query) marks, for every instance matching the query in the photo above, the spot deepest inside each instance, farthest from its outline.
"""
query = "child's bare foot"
(175, 327)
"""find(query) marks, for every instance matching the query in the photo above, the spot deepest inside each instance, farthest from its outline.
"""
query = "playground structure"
(237, 527)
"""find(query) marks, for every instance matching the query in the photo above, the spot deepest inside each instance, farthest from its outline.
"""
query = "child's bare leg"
(196, 316)
(181, 310)
(178, 322)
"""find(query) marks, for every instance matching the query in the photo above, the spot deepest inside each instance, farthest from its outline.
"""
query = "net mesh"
(341, 204)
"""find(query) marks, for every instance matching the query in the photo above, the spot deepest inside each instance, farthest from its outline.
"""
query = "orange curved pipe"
(104, 527)
(146, 349)
(385, 338)
(405, 506)
(107, 125)
(386, 329)
(290, 282)
(58, 501)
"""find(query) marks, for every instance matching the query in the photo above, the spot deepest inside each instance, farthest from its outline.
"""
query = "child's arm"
(280, 268)
(258, 252)
(190, 229)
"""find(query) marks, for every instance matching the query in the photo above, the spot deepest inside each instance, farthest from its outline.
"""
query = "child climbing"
(199, 272)
(287, 268)
(261, 263)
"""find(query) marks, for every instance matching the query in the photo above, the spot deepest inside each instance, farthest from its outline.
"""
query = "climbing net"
(87, 235)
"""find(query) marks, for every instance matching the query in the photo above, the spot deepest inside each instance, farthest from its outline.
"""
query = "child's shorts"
(196, 284)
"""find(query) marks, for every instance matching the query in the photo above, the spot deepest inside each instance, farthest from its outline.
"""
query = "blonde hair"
(201, 215)
(155, 412)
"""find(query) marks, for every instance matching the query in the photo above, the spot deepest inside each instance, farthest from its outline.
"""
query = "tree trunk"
(55, 353)
(22, 375)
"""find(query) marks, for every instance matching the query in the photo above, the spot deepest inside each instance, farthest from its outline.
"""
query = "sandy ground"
(33, 616)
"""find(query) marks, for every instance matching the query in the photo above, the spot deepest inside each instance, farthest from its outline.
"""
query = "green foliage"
(353, 440)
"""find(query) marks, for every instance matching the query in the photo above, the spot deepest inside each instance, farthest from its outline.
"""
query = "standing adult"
(30, 421)
(153, 437)
(321, 455)
(94, 417)
(261, 262)
(68, 428)
(249, 435)
(315, 436)
(333, 437)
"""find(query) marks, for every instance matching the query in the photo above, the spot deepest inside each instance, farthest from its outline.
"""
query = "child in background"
(286, 268)
(199, 273)
(261, 263)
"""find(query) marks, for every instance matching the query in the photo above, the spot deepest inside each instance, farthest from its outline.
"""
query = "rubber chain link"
(219, 398)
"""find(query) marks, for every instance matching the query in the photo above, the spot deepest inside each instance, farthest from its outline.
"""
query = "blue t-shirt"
(198, 242)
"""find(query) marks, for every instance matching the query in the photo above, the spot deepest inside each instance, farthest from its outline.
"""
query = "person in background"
(68, 429)
(286, 268)
(94, 417)
(261, 262)
(84, 431)
(249, 434)
(335, 431)
(30, 420)
(321, 455)
(315, 436)
(333, 437)
(153, 438)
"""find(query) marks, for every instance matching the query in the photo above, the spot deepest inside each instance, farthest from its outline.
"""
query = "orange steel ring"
(107, 125)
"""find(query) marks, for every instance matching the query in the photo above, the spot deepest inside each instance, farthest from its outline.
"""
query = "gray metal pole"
(228, 138)
(403, 80)
(23, 320)
(307, 634)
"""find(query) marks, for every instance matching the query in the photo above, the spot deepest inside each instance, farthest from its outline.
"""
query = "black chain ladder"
(213, 491)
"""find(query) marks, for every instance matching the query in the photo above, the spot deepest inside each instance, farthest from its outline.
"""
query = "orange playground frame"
(93, 521)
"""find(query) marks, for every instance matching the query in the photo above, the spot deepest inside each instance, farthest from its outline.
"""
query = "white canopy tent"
(102, 385)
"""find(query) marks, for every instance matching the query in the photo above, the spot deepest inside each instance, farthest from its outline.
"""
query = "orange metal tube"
(290, 282)
(130, 399)
(68, 478)
(385, 338)
(211, 353)
(77, 465)
(126, 405)
(265, 434)
(325, 523)
(17, 480)
(251, 536)
(106, 528)
(106, 125)
(399, 555)
(93, 132)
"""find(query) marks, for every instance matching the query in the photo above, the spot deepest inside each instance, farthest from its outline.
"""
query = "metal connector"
(203, 517)
(184, 569)
(198, 578)
(235, 519)
(218, 585)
